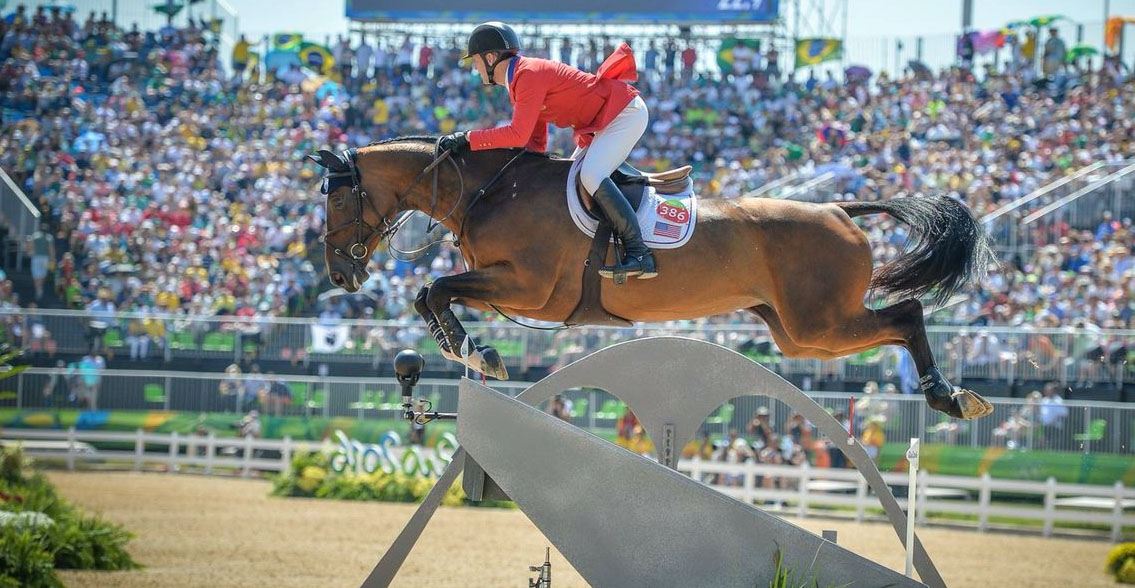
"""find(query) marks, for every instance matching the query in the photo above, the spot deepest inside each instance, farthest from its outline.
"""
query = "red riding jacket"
(544, 91)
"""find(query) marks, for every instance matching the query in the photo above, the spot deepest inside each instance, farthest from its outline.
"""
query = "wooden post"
(1049, 506)
(139, 449)
(171, 465)
(1117, 513)
(805, 470)
(247, 468)
(210, 451)
(983, 502)
(860, 499)
(748, 482)
(71, 449)
(286, 454)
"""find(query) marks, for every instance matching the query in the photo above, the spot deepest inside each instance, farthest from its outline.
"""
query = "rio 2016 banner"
(637, 11)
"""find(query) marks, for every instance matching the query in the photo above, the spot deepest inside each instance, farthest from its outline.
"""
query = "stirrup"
(630, 267)
(620, 271)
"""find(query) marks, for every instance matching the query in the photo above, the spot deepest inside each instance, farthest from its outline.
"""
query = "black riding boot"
(639, 260)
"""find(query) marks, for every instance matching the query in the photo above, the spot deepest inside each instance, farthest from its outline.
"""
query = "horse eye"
(337, 203)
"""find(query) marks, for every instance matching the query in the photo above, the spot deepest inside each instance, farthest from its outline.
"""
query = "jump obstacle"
(623, 520)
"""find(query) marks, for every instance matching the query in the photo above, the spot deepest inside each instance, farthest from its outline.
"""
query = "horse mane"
(417, 138)
(433, 139)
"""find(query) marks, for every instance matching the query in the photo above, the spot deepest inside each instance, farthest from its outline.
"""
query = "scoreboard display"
(627, 11)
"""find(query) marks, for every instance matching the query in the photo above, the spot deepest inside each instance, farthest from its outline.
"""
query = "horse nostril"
(337, 279)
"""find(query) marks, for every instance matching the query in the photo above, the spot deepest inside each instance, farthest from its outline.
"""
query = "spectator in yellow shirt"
(240, 55)
(381, 112)
(873, 437)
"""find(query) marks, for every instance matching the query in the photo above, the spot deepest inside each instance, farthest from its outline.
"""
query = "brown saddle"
(633, 183)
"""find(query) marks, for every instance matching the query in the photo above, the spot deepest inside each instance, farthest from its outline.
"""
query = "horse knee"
(420, 304)
(437, 297)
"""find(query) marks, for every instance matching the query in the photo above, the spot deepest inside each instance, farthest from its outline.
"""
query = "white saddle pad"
(667, 222)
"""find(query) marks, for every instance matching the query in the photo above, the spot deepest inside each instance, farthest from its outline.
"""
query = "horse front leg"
(492, 285)
(432, 324)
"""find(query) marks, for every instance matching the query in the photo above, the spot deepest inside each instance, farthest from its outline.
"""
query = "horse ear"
(315, 158)
(333, 161)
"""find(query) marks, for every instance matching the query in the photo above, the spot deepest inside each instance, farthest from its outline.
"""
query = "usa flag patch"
(667, 230)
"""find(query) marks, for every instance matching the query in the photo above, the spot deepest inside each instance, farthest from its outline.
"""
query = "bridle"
(358, 254)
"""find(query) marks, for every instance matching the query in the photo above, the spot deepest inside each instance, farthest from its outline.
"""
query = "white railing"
(810, 191)
(1012, 226)
(1111, 178)
(805, 487)
(18, 213)
(772, 189)
(210, 453)
(1041, 193)
(793, 490)
(1079, 426)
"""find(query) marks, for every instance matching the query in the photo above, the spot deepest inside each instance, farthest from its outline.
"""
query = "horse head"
(355, 223)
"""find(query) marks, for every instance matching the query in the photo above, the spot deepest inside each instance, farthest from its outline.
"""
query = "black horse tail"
(950, 248)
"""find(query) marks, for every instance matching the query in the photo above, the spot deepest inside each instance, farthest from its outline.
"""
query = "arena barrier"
(624, 520)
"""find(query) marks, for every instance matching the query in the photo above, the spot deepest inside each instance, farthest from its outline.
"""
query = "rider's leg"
(607, 151)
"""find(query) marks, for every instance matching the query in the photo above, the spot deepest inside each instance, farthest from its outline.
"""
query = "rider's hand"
(457, 143)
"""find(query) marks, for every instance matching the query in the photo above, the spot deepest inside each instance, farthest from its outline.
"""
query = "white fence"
(211, 453)
(805, 488)
(797, 490)
(1085, 427)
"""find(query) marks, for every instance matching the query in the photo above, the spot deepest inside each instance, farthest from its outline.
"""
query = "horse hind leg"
(860, 329)
(784, 341)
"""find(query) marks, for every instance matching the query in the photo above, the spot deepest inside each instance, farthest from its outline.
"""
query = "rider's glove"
(457, 143)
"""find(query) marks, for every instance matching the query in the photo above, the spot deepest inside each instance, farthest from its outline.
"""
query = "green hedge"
(311, 475)
(1121, 563)
(41, 532)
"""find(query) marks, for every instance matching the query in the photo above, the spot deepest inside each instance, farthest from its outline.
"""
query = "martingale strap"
(590, 309)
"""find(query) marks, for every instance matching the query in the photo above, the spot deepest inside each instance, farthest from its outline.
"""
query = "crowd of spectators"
(986, 137)
(165, 186)
(170, 183)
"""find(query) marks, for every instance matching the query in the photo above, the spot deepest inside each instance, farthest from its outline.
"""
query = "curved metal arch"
(678, 382)
(689, 380)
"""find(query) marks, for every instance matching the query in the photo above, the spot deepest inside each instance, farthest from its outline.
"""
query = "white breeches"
(613, 144)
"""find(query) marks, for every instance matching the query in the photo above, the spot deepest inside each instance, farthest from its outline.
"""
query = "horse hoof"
(971, 405)
(492, 364)
(447, 354)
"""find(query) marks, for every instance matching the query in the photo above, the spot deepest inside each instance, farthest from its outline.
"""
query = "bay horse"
(803, 268)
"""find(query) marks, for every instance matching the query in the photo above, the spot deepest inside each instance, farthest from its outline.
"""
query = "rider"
(606, 113)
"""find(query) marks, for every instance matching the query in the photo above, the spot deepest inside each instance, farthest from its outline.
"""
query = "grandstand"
(151, 186)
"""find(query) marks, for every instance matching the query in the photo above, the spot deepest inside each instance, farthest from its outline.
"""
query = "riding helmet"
(492, 36)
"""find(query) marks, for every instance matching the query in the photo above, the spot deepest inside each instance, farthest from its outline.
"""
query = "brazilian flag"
(316, 57)
(816, 51)
(287, 41)
(725, 53)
